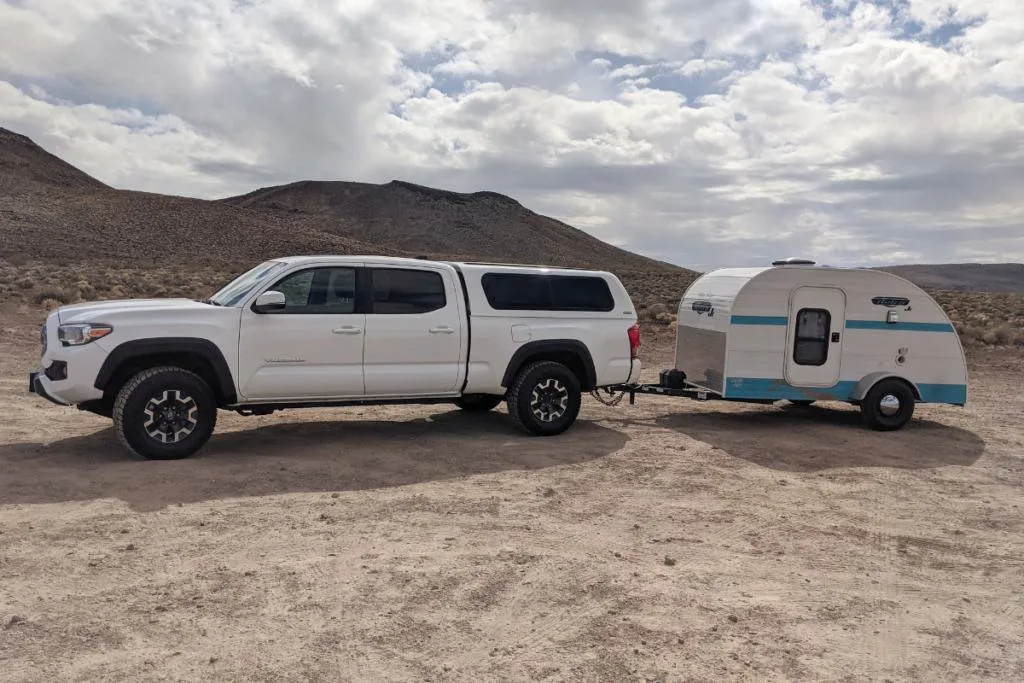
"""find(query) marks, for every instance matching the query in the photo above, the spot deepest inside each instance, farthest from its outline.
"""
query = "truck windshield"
(235, 291)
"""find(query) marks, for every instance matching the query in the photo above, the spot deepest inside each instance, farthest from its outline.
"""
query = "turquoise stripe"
(911, 327)
(759, 320)
(780, 390)
(954, 394)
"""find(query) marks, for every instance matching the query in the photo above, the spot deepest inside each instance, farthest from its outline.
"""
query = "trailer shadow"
(291, 457)
(819, 437)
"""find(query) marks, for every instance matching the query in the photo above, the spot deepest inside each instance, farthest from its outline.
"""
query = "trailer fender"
(865, 384)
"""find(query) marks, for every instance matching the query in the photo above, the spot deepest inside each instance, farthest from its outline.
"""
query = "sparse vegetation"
(982, 319)
(68, 238)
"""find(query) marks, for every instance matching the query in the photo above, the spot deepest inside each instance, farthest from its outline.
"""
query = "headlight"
(82, 333)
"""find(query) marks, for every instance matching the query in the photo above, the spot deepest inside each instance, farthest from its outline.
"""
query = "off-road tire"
(479, 403)
(130, 416)
(521, 397)
(871, 405)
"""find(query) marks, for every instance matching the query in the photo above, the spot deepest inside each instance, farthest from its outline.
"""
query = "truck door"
(313, 348)
(814, 343)
(414, 332)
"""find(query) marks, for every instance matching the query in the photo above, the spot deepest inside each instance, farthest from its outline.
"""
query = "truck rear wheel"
(888, 406)
(478, 403)
(545, 398)
(165, 413)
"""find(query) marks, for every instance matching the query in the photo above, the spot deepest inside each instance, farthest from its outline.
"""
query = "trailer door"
(814, 343)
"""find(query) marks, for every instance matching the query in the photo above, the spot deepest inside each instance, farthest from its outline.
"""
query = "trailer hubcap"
(889, 405)
(171, 416)
(550, 400)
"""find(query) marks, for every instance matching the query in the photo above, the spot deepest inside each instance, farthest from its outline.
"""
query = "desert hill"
(975, 277)
(417, 219)
(66, 236)
(52, 211)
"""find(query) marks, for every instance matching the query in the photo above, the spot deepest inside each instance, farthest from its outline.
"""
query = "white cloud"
(707, 133)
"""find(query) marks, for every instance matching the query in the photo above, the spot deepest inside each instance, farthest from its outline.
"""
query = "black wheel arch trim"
(576, 347)
(148, 347)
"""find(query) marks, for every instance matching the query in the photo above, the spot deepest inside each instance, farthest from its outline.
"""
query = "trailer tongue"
(672, 383)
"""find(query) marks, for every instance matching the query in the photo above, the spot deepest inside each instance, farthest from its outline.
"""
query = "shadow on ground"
(819, 437)
(292, 457)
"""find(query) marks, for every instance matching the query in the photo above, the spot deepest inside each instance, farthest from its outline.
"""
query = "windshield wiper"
(210, 301)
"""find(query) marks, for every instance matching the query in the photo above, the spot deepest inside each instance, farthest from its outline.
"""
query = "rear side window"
(530, 292)
(812, 328)
(397, 291)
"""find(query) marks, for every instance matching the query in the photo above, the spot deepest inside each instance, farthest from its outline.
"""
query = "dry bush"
(981, 319)
(60, 295)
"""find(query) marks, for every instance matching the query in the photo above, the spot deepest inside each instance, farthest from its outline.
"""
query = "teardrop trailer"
(803, 333)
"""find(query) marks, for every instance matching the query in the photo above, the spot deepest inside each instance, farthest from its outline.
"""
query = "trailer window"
(812, 330)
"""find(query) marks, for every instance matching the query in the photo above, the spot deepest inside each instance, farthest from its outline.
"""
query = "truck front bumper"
(36, 385)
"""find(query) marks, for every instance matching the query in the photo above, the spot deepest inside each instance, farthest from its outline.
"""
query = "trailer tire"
(545, 398)
(888, 406)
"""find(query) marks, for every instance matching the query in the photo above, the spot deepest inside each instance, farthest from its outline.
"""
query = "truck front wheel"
(545, 398)
(165, 413)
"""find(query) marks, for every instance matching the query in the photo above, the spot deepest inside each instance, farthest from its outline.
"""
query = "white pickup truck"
(343, 330)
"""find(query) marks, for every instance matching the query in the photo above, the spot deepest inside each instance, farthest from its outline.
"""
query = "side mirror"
(269, 301)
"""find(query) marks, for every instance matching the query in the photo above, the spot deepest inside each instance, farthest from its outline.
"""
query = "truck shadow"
(821, 437)
(291, 457)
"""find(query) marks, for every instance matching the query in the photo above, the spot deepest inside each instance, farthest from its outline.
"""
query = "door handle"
(441, 330)
(346, 329)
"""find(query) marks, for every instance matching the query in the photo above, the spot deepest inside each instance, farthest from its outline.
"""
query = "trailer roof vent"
(793, 261)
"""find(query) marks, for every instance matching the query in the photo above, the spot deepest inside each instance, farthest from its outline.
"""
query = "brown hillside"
(51, 211)
(65, 236)
(974, 277)
(414, 218)
(27, 167)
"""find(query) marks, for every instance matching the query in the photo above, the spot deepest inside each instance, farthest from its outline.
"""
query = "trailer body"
(800, 332)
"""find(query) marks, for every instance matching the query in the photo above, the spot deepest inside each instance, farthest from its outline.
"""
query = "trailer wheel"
(888, 406)
(545, 398)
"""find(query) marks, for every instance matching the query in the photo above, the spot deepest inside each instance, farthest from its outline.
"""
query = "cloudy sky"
(703, 132)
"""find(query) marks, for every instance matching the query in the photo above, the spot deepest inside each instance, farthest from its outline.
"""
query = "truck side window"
(319, 291)
(399, 291)
(527, 292)
(812, 328)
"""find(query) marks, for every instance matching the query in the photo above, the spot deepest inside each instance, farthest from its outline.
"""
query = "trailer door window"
(812, 330)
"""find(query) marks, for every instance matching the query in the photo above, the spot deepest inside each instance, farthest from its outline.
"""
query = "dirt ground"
(666, 541)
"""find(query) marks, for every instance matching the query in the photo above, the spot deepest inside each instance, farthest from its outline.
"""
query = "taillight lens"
(634, 341)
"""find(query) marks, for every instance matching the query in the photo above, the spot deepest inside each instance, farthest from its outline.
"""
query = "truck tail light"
(634, 341)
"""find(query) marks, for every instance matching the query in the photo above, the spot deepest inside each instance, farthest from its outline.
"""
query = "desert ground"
(667, 541)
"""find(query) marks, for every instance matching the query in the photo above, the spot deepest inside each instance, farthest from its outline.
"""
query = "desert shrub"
(1004, 335)
(61, 295)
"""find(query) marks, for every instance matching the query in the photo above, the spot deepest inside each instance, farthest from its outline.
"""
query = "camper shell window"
(519, 292)
(812, 332)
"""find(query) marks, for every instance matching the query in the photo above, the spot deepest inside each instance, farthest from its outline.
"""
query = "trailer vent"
(793, 261)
